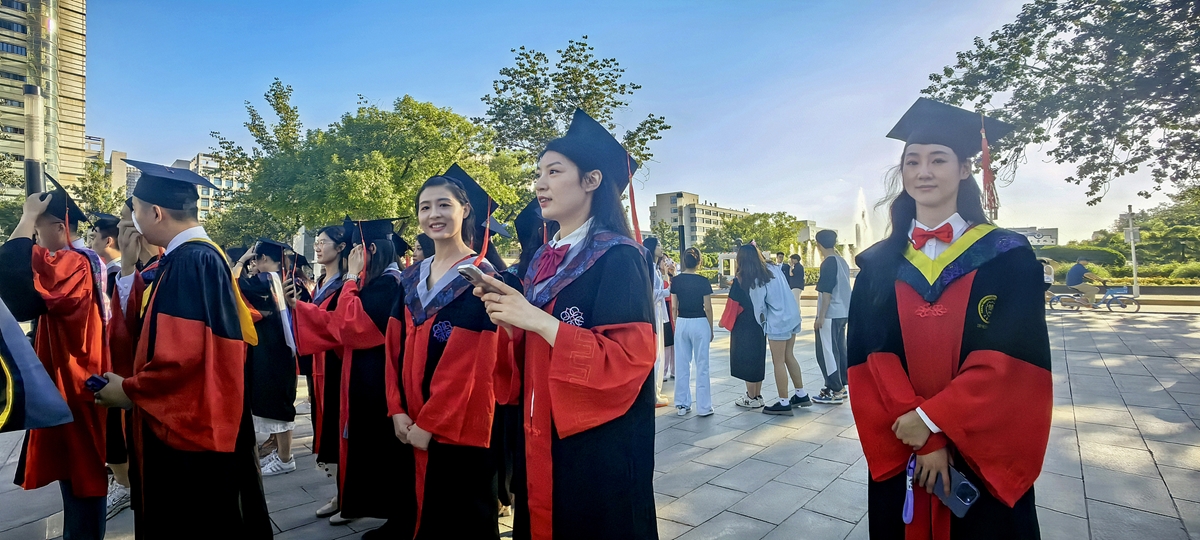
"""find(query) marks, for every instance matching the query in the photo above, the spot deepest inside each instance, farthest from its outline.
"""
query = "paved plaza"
(1123, 462)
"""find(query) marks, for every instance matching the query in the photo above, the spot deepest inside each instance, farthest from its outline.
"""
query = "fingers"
(499, 285)
(945, 472)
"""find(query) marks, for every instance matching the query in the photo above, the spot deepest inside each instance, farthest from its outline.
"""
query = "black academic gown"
(747, 342)
(964, 338)
(271, 360)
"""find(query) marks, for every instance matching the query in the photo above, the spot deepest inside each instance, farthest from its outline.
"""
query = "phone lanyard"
(908, 496)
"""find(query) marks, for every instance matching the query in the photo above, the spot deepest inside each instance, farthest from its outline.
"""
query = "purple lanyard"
(908, 496)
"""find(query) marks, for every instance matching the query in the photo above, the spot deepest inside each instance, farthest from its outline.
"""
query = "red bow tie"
(921, 236)
(548, 264)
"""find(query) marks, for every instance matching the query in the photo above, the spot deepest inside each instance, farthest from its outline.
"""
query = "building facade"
(687, 210)
(211, 200)
(1038, 237)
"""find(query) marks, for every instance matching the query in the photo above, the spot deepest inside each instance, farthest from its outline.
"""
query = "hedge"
(1060, 273)
(1099, 255)
(1189, 270)
(711, 275)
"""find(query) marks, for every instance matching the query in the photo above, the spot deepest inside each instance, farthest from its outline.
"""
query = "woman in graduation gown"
(948, 350)
(583, 337)
(316, 334)
(440, 382)
(375, 469)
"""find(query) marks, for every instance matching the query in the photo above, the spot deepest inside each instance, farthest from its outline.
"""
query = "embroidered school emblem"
(986, 305)
(931, 310)
(441, 331)
(572, 316)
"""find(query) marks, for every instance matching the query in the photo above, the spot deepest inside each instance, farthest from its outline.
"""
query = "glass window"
(10, 48)
(241, 185)
(204, 191)
(203, 214)
(204, 203)
(13, 4)
(674, 199)
(674, 210)
(229, 183)
(16, 130)
(12, 102)
(15, 27)
(12, 76)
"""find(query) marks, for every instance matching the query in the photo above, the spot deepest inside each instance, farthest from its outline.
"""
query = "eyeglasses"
(321, 243)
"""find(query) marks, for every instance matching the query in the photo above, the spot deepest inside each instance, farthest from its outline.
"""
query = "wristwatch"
(352, 277)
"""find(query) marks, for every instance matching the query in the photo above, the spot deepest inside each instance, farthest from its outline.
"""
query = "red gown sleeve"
(461, 401)
(316, 331)
(353, 325)
(507, 378)
(596, 373)
(393, 349)
(62, 279)
(883, 393)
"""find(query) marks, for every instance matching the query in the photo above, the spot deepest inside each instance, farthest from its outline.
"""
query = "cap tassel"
(637, 231)
(362, 274)
(487, 234)
(991, 201)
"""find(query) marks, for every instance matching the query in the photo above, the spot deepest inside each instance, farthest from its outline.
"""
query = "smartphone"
(962, 493)
(95, 383)
(475, 276)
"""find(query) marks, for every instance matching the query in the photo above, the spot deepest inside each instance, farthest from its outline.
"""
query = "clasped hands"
(911, 430)
(410, 433)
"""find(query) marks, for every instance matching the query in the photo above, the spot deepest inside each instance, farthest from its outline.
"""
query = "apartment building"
(697, 217)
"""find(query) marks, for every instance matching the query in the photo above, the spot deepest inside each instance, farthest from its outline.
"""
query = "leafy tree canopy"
(668, 237)
(772, 232)
(93, 191)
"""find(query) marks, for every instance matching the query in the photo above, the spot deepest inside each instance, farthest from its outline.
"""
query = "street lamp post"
(35, 140)
(1133, 234)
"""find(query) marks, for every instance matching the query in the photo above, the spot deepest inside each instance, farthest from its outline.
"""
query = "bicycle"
(1115, 299)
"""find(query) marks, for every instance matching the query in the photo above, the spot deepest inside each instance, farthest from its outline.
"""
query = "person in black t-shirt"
(795, 276)
(691, 306)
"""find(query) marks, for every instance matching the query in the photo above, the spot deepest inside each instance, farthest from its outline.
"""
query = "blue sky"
(775, 106)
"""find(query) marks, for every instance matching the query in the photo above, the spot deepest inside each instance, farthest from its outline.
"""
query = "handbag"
(732, 310)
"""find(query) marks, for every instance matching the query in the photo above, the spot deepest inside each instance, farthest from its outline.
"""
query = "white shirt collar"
(79, 243)
(185, 235)
(115, 263)
(575, 237)
(957, 224)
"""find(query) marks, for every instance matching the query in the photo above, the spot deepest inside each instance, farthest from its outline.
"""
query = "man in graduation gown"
(62, 287)
(195, 474)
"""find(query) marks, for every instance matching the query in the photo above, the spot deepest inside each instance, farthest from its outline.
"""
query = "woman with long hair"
(691, 299)
(583, 335)
(747, 341)
(662, 320)
(440, 380)
(948, 349)
(776, 310)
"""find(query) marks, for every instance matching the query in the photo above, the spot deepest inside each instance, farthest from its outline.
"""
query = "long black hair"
(691, 259)
(460, 194)
(530, 244)
(426, 243)
(608, 213)
(752, 270)
(337, 235)
(651, 244)
(384, 256)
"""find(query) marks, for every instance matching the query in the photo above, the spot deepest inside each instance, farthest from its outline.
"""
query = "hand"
(911, 430)
(507, 307)
(35, 206)
(817, 324)
(418, 437)
(712, 334)
(289, 293)
(401, 424)
(929, 466)
(129, 241)
(249, 254)
(113, 394)
(354, 263)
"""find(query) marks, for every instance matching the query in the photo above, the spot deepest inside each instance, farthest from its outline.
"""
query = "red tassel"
(487, 234)
(991, 201)
(637, 231)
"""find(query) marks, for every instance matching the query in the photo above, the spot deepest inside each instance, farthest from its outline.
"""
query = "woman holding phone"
(440, 380)
(583, 335)
(948, 350)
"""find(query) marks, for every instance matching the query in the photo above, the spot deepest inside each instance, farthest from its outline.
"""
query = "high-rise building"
(686, 210)
(44, 43)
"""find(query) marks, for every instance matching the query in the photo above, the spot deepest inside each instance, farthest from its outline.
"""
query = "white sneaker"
(337, 519)
(118, 498)
(263, 461)
(329, 509)
(278, 466)
(749, 402)
(682, 410)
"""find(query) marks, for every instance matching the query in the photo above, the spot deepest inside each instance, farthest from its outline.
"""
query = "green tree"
(667, 235)
(532, 102)
(12, 182)
(93, 191)
(772, 232)
(1110, 82)
(240, 224)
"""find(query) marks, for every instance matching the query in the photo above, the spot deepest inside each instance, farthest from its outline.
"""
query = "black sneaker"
(777, 408)
(797, 401)
(829, 397)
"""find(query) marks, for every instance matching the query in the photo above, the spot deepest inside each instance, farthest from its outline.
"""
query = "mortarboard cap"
(63, 206)
(592, 147)
(529, 223)
(297, 260)
(475, 194)
(933, 122)
(129, 202)
(402, 246)
(235, 253)
(362, 232)
(168, 187)
(104, 221)
(426, 244)
(271, 248)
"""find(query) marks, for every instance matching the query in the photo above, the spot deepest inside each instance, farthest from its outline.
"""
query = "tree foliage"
(772, 232)
(241, 224)
(93, 191)
(1110, 82)
(667, 235)
(1170, 232)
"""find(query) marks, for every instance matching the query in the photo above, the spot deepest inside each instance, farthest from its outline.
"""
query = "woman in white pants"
(691, 304)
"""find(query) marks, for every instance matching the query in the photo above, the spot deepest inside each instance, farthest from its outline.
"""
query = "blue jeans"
(84, 518)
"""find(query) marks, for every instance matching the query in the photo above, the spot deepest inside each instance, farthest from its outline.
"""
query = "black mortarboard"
(933, 122)
(402, 246)
(63, 206)
(362, 232)
(481, 203)
(235, 253)
(298, 261)
(271, 248)
(129, 202)
(104, 221)
(168, 187)
(529, 224)
(592, 147)
(426, 243)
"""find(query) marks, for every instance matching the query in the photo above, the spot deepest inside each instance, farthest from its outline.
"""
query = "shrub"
(811, 275)
(1097, 255)
(1189, 270)
(1156, 281)
(1155, 270)
(710, 275)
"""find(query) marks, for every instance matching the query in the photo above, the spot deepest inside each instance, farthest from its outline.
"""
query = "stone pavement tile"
(662, 422)
(729, 525)
(729, 454)
(677, 455)
(1123, 364)
(1187, 388)
(712, 438)
(765, 434)
(685, 478)
(1093, 382)
(1175, 455)
(1130, 490)
(1058, 526)
(366, 524)
(317, 530)
(670, 437)
(1182, 483)
(840, 449)
(1061, 493)
(841, 416)
(297, 516)
(38, 530)
(1151, 415)
(748, 475)
(1116, 436)
(1063, 414)
(1118, 458)
(858, 472)
(774, 502)
(697, 424)
(661, 500)
(1105, 400)
(843, 499)
(282, 499)
(747, 420)
(22, 507)
(1112, 522)
(817, 432)
(852, 432)
(862, 531)
(1107, 417)
(1062, 454)
(1185, 398)
(1193, 411)
(786, 452)
(800, 418)
(807, 524)
(1190, 512)
(812, 473)
(323, 491)
(7, 473)
(1181, 433)
(701, 505)
(669, 530)
(1150, 398)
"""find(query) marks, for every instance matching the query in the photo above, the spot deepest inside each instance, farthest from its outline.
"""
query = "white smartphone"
(475, 276)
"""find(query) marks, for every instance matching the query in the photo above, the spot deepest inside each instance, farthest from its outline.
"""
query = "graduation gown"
(274, 392)
(588, 401)
(317, 335)
(443, 381)
(63, 291)
(123, 328)
(195, 471)
(508, 433)
(964, 338)
(375, 469)
(747, 342)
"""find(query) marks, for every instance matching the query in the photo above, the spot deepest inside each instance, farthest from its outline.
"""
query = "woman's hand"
(911, 430)
(289, 293)
(113, 394)
(354, 263)
(507, 307)
(130, 243)
(929, 466)
(418, 437)
(401, 423)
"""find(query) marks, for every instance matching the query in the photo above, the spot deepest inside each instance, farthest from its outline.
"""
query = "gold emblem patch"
(986, 305)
